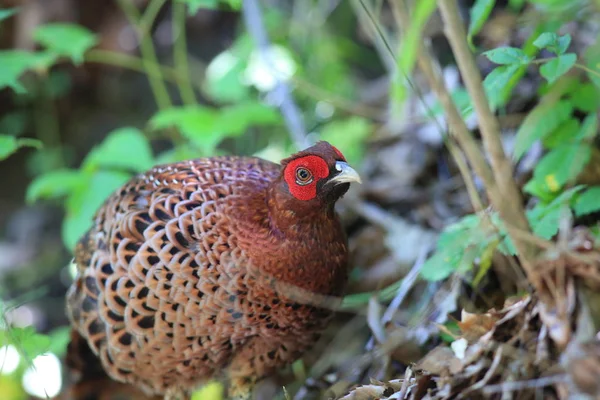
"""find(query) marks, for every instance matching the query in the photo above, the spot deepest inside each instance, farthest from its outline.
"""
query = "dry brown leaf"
(473, 326)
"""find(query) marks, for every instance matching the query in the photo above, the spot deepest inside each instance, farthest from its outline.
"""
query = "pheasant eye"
(303, 176)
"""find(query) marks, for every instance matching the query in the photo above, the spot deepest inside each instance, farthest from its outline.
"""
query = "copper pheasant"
(184, 275)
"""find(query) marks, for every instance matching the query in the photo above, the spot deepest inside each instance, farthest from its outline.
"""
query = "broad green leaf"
(539, 189)
(124, 148)
(508, 56)
(557, 67)
(588, 201)
(64, 39)
(10, 144)
(562, 165)
(224, 78)
(14, 63)
(458, 247)
(564, 133)
(589, 128)
(27, 341)
(539, 123)
(207, 127)
(53, 184)
(196, 123)
(545, 218)
(552, 42)
(235, 120)
(479, 14)
(496, 81)
(586, 98)
(59, 340)
(547, 226)
(348, 135)
(7, 13)
(592, 61)
(440, 266)
(85, 201)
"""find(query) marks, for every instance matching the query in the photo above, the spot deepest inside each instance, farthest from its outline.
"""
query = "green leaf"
(557, 67)
(545, 218)
(552, 42)
(589, 128)
(496, 81)
(562, 165)
(235, 120)
(349, 136)
(14, 63)
(586, 97)
(85, 201)
(63, 39)
(53, 184)
(508, 56)
(224, 75)
(27, 341)
(592, 61)
(7, 13)
(539, 123)
(207, 127)
(588, 201)
(564, 133)
(479, 14)
(125, 148)
(458, 247)
(10, 144)
(59, 340)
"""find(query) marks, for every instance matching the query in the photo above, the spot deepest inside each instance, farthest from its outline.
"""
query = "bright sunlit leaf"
(508, 56)
(588, 201)
(557, 67)
(125, 149)
(10, 144)
(53, 184)
(539, 123)
(64, 39)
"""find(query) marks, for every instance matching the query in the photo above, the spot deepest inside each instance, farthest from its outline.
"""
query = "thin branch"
(142, 26)
(282, 92)
(507, 198)
(180, 54)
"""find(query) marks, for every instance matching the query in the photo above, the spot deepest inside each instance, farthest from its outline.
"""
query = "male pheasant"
(189, 270)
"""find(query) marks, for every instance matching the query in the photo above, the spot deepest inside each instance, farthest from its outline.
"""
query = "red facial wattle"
(317, 167)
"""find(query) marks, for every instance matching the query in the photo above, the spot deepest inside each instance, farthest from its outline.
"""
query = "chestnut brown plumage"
(178, 278)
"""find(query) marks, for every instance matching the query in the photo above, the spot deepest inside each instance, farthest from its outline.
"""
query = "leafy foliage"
(67, 40)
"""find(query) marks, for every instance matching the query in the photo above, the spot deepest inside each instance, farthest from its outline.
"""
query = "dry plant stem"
(505, 196)
(458, 127)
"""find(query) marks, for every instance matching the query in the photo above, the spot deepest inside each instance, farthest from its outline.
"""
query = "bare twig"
(283, 94)
(142, 27)
(505, 196)
(180, 56)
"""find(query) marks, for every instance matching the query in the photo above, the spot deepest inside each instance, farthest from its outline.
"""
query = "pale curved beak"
(347, 174)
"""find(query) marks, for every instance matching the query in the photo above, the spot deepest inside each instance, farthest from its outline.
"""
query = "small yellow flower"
(552, 183)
